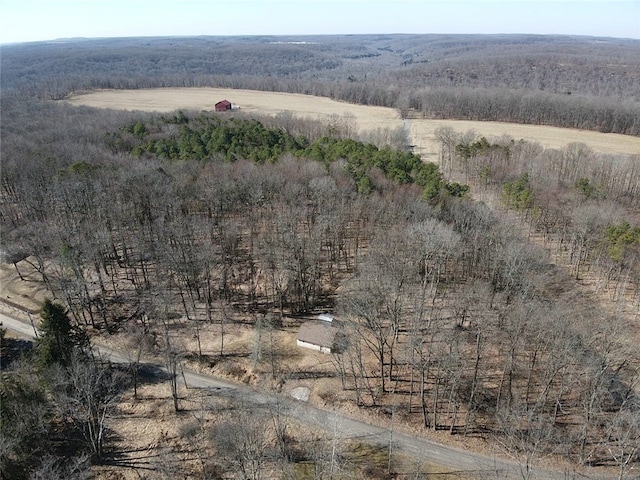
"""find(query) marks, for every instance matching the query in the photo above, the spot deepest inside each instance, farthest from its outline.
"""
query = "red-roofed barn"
(223, 106)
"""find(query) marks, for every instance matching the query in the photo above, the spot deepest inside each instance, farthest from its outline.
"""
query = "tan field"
(366, 118)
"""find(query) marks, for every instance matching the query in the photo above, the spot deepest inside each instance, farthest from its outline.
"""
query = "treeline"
(571, 82)
(526, 107)
(83, 185)
(560, 65)
(207, 138)
(453, 319)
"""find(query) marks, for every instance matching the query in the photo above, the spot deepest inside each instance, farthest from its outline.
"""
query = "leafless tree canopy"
(507, 311)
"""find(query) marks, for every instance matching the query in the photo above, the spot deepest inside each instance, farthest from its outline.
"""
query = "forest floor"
(146, 432)
(149, 440)
(367, 118)
(148, 436)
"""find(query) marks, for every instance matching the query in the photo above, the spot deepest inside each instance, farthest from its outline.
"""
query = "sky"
(41, 20)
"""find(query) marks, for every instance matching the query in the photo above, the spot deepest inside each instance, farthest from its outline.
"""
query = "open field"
(366, 117)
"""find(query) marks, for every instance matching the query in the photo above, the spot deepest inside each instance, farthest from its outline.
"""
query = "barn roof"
(318, 332)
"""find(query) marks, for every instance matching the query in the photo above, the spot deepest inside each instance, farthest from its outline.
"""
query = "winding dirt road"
(472, 465)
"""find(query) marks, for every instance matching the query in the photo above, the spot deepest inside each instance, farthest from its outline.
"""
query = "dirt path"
(422, 131)
(26, 293)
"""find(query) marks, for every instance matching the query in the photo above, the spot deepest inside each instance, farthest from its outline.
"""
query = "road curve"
(473, 464)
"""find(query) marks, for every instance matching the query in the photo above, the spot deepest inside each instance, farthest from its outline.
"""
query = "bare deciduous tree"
(87, 392)
(244, 441)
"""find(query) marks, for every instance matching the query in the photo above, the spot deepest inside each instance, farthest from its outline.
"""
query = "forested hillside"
(493, 296)
(577, 82)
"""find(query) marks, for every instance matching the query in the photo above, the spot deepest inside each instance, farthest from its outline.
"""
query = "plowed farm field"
(422, 131)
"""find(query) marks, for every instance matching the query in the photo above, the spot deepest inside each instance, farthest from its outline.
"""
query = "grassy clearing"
(422, 131)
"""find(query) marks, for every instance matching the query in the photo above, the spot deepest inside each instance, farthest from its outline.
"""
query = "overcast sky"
(35, 20)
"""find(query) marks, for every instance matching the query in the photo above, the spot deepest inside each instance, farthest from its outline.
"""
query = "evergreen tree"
(58, 337)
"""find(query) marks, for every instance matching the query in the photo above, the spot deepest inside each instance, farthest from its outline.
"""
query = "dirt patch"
(22, 297)
(366, 118)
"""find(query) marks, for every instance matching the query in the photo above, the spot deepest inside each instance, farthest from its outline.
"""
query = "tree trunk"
(470, 406)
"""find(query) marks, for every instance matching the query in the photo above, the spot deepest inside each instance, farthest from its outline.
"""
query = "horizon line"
(240, 35)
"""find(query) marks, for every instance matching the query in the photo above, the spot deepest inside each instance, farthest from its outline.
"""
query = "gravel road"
(472, 464)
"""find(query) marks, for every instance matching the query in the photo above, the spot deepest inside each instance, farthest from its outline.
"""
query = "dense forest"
(494, 295)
